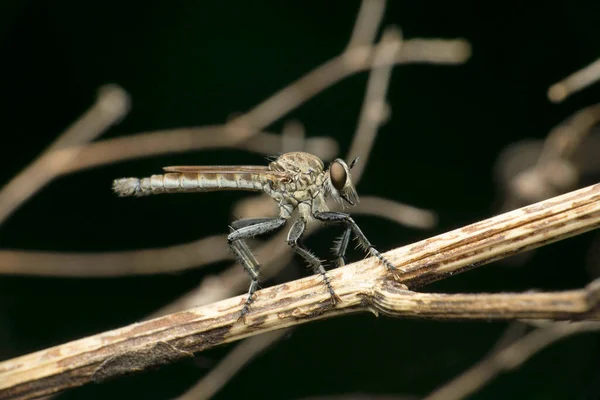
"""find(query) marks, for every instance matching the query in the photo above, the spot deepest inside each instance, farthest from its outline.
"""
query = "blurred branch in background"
(575, 82)
(509, 357)
(231, 364)
(110, 107)
(170, 259)
(532, 170)
(185, 139)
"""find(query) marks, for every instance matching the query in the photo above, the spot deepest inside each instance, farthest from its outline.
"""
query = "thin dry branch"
(436, 51)
(574, 82)
(186, 256)
(362, 286)
(175, 258)
(184, 140)
(367, 23)
(375, 110)
(111, 105)
(400, 213)
(239, 131)
(509, 358)
(237, 358)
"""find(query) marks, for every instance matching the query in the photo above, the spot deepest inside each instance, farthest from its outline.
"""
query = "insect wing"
(226, 170)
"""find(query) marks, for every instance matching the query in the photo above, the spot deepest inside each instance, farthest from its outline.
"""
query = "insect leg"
(343, 218)
(340, 245)
(244, 255)
(293, 239)
(244, 222)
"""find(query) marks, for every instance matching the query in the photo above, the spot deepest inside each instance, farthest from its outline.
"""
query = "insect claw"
(396, 272)
(242, 316)
(334, 299)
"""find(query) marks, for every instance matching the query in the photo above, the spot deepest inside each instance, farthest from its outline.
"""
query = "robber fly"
(296, 181)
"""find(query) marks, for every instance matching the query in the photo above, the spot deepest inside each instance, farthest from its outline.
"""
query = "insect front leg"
(340, 246)
(248, 228)
(343, 218)
(293, 239)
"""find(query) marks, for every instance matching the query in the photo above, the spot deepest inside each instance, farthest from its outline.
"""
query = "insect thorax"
(304, 181)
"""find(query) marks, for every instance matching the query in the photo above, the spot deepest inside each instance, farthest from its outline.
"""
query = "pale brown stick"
(509, 358)
(574, 82)
(111, 105)
(367, 23)
(117, 263)
(400, 213)
(230, 365)
(375, 110)
(362, 286)
(557, 168)
(182, 140)
(564, 140)
(242, 128)
(348, 63)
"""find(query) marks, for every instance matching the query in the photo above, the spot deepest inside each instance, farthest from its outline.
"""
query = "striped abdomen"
(188, 182)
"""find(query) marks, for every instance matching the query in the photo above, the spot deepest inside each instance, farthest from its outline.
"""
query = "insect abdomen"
(186, 182)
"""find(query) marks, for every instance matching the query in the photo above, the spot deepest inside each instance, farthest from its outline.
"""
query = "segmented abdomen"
(187, 182)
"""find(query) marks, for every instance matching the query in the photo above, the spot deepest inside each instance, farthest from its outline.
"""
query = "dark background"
(191, 63)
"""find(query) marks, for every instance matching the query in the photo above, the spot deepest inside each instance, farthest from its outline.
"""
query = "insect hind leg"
(293, 240)
(246, 229)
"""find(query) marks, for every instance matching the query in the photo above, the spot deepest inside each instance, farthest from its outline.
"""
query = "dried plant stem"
(237, 358)
(564, 140)
(111, 105)
(370, 15)
(362, 286)
(350, 62)
(575, 82)
(117, 263)
(240, 131)
(375, 110)
(509, 358)
(148, 144)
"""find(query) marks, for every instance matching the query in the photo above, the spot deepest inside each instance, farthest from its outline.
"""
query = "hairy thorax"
(303, 184)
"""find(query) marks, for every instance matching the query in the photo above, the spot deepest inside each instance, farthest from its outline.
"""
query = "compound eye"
(338, 175)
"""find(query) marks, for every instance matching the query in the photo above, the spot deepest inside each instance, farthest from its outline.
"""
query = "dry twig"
(509, 358)
(375, 111)
(184, 139)
(175, 258)
(362, 286)
(575, 82)
(212, 382)
(111, 105)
